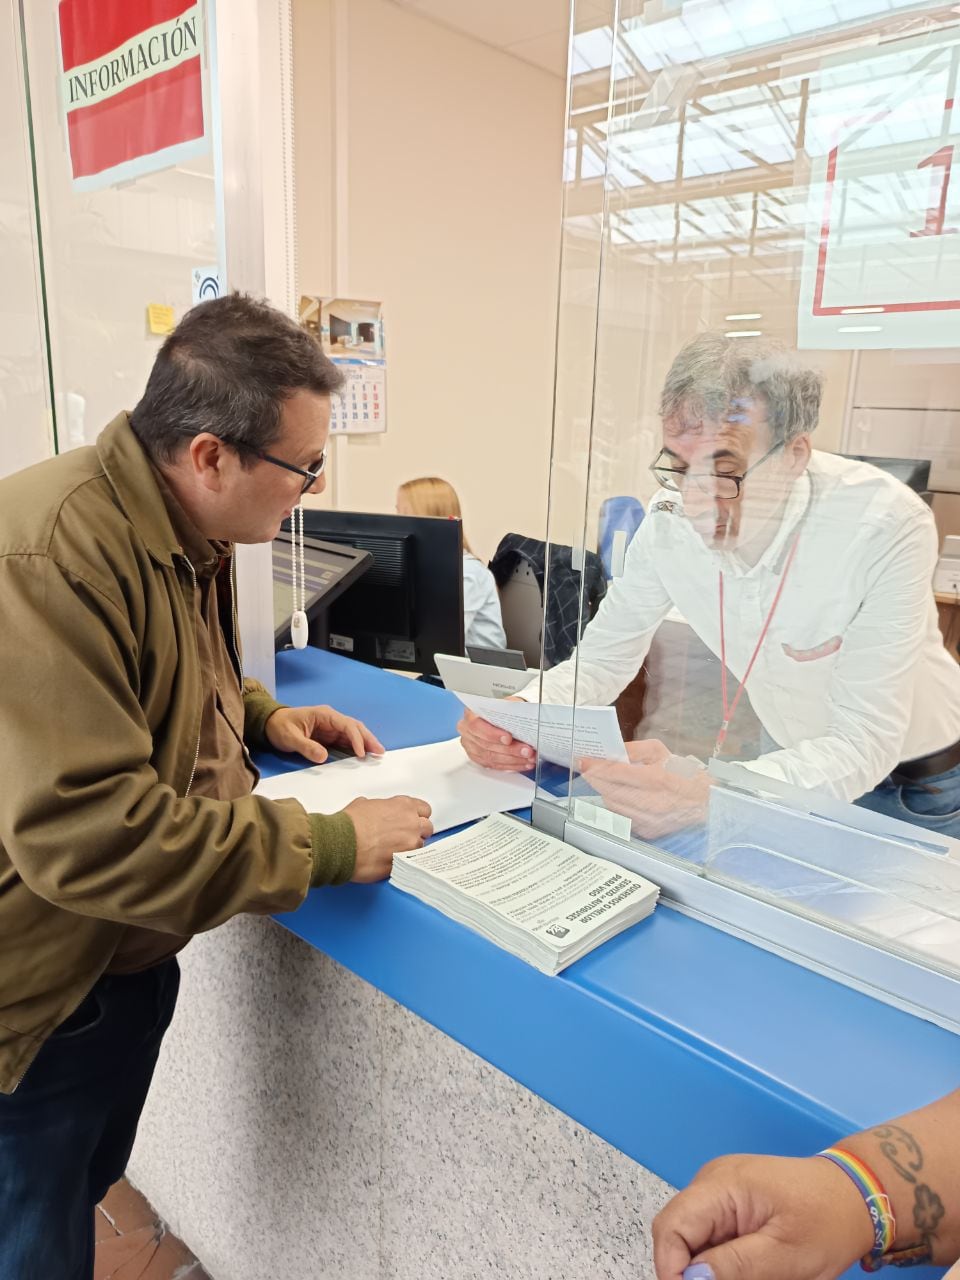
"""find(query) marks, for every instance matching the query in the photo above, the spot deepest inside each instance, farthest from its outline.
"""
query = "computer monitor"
(409, 605)
(328, 569)
(914, 472)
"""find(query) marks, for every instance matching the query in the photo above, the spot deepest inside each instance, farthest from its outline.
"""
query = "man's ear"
(207, 455)
(797, 453)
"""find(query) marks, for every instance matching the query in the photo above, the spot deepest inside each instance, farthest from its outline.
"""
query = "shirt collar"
(773, 557)
(794, 512)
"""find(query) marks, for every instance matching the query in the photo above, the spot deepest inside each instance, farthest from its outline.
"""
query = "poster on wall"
(351, 334)
(881, 264)
(131, 86)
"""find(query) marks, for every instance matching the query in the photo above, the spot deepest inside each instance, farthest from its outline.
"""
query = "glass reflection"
(805, 579)
(758, 297)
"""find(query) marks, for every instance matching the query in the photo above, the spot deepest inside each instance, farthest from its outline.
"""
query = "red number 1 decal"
(942, 159)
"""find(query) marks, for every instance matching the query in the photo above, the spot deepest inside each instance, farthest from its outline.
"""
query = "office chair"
(521, 607)
(620, 515)
(567, 575)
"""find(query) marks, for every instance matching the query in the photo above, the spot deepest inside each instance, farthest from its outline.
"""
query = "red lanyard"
(730, 708)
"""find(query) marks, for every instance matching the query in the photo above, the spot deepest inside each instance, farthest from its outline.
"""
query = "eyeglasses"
(718, 486)
(310, 478)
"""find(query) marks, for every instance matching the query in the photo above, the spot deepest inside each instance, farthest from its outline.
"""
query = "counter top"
(675, 1042)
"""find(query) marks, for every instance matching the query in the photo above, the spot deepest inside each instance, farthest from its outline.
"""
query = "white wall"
(907, 404)
(428, 176)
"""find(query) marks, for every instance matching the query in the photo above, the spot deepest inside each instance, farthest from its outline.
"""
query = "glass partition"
(756, 455)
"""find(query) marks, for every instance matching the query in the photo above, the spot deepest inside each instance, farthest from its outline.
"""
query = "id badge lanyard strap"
(729, 708)
(298, 620)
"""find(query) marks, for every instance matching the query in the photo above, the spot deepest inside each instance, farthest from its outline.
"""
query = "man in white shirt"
(806, 574)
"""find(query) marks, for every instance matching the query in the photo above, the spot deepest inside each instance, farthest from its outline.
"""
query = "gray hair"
(227, 368)
(712, 371)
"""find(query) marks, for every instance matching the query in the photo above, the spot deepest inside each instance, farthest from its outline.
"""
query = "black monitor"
(914, 472)
(328, 569)
(409, 605)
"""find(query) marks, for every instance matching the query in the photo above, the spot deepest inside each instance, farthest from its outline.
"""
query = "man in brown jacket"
(127, 822)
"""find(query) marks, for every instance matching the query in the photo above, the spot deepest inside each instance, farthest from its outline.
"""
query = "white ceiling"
(534, 30)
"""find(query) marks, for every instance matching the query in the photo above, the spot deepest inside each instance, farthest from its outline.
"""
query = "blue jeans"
(933, 803)
(66, 1133)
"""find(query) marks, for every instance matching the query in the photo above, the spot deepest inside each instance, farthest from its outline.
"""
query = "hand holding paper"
(656, 790)
(561, 734)
(492, 747)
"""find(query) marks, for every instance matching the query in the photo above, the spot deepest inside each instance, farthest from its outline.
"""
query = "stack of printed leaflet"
(527, 892)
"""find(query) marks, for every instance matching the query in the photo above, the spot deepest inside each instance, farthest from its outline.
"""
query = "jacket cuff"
(334, 848)
(258, 707)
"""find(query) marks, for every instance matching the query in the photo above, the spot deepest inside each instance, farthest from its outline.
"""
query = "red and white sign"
(131, 86)
(881, 264)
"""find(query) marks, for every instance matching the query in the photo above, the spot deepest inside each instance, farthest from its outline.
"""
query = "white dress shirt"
(852, 678)
(482, 620)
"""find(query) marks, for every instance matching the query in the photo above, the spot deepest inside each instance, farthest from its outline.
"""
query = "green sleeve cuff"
(334, 848)
(258, 706)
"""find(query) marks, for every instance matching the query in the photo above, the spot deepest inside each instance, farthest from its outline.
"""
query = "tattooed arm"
(758, 1217)
(917, 1158)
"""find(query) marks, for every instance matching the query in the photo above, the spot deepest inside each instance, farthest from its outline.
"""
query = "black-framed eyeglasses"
(726, 487)
(310, 478)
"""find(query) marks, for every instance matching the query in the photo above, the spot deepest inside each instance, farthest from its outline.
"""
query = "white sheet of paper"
(592, 731)
(440, 773)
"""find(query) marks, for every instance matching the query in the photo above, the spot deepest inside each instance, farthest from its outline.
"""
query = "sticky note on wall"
(160, 318)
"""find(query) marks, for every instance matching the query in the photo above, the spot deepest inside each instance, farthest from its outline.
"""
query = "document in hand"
(440, 773)
(529, 893)
(562, 734)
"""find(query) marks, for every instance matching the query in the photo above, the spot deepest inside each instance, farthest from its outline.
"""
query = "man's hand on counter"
(310, 730)
(386, 827)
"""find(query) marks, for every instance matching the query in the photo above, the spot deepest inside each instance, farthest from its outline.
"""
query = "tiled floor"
(133, 1244)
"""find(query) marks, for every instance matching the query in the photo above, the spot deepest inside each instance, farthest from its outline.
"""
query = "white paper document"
(528, 892)
(456, 789)
(562, 734)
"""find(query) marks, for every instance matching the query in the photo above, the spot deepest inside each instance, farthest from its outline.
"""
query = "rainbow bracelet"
(876, 1200)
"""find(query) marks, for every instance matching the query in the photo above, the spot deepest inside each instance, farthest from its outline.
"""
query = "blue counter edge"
(674, 1042)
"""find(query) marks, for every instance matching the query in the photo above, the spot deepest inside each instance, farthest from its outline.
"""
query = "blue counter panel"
(401, 711)
(674, 1042)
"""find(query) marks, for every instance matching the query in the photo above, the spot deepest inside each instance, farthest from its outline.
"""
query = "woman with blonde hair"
(482, 622)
